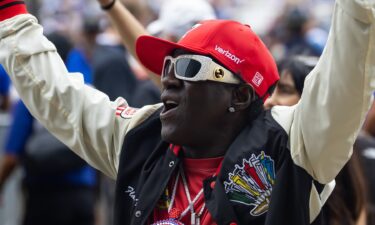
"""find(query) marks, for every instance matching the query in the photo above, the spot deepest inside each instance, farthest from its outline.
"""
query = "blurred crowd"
(294, 30)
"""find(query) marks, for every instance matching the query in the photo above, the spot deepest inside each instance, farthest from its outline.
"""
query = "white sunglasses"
(198, 68)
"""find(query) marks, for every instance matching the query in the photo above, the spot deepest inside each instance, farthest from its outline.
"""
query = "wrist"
(9, 9)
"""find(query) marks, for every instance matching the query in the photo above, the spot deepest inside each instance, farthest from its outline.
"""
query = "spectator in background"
(62, 43)
(4, 90)
(365, 144)
(347, 204)
(294, 33)
(293, 72)
(113, 75)
(80, 58)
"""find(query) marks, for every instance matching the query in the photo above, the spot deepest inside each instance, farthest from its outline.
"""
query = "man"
(208, 154)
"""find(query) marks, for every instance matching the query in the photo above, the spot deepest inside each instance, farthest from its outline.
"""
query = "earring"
(231, 109)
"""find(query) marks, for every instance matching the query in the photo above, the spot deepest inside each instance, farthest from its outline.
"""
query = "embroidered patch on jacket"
(251, 183)
(126, 112)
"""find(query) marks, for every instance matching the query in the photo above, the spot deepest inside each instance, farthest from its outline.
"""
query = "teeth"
(169, 102)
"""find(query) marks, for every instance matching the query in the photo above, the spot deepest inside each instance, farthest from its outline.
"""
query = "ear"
(242, 97)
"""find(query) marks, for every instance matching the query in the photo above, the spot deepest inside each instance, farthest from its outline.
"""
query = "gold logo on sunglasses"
(219, 73)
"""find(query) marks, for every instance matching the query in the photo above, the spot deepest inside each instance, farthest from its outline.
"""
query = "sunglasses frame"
(209, 70)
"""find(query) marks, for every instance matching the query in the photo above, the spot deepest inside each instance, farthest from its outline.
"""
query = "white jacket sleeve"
(80, 116)
(337, 93)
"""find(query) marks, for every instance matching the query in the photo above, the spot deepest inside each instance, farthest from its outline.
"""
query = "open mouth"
(169, 106)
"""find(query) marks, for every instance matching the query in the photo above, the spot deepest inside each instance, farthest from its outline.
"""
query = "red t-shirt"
(196, 170)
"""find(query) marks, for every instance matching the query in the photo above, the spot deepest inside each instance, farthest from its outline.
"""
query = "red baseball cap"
(232, 44)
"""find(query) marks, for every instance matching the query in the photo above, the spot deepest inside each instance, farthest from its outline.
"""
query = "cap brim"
(151, 51)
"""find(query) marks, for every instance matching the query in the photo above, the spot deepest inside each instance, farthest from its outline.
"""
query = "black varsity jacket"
(256, 165)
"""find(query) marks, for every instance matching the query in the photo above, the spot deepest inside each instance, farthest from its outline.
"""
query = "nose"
(169, 79)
